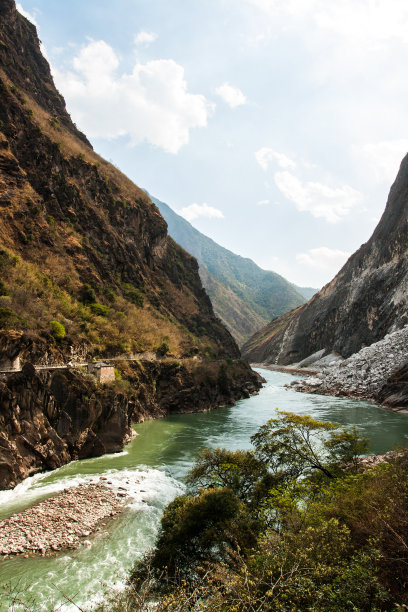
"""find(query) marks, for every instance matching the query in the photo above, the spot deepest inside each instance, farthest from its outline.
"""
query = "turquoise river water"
(151, 468)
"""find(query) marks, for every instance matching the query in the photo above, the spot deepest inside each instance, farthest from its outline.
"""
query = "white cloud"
(233, 96)
(347, 38)
(331, 203)
(200, 210)
(323, 258)
(262, 202)
(144, 39)
(265, 156)
(362, 20)
(26, 14)
(383, 158)
(150, 104)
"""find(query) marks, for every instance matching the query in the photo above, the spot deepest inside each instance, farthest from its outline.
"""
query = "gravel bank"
(60, 522)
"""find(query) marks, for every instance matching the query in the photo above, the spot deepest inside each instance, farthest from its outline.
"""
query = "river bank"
(154, 464)
(49, 418)
(377, 373)
(62, 522)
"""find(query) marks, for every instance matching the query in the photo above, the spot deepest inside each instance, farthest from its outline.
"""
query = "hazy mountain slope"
(365, 301)
(233, 311)
(306, 292)
(243, 295)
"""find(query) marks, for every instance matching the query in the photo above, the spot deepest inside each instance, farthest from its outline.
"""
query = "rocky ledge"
(60, 522)
(372, 373)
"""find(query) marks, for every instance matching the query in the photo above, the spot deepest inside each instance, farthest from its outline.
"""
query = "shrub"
(100, 309)
(8, 317)
(3, 289)
(134, 296)
(87, 294)
(57, 330)
(163, 349)
(110, 295)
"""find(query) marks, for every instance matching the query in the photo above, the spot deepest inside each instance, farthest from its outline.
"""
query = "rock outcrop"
(367, 300)
(50, 418)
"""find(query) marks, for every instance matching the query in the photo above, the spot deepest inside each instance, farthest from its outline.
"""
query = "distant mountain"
(306, 292)
(244, 296)
(367, 299)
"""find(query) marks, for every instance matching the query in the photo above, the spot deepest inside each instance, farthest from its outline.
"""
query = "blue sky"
(276, 127)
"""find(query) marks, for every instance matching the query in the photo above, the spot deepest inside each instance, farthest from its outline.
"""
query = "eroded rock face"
(50, 418)
(365, 301)
(46, 420)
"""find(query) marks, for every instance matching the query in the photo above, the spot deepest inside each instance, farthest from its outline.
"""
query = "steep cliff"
(48, 418)
(80, 243)
(366, 300)
(87, 270)
(244, 296)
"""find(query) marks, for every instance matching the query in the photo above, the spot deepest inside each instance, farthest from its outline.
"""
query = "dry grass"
(36, 299)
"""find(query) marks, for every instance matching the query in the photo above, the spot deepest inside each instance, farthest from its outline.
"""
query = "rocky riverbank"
(50, 418)
(60, 522)
(366, 374)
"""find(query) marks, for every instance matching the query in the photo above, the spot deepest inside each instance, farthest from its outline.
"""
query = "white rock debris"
(364, 373)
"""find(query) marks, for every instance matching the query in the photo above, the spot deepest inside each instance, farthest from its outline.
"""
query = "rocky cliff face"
(50, 418)
(87, 269)
(80, 243)
(365, 301)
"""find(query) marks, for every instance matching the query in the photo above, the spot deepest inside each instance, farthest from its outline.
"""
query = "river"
(151, 468)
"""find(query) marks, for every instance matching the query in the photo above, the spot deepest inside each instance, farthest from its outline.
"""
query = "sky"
(276, 127)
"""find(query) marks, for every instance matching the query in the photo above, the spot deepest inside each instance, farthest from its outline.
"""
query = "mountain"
(75, 232)
(244, 296)
(87, 270)
(306, 292)
(367, 300)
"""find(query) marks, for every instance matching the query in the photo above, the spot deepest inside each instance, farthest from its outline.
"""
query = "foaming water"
(151, 470)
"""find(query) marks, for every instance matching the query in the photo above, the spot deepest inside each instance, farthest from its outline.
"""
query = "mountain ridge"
(244, 296)
(88, 272)
(366, 300)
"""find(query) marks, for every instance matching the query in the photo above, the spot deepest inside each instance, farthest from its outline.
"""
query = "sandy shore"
(60, 522)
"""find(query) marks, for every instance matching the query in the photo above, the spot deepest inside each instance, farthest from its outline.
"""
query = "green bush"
(57, 330)
(134, 296)
(87, 294)
(99, 309)
(109, 294)
(291, 525)
(8, 317)
(163, 349)
(3, 289)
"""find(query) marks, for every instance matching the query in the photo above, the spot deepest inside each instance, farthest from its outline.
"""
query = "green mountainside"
(306, 292)
(243, 295)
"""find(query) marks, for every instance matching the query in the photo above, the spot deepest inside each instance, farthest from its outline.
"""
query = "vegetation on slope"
(297, 523)
(82, 246)
(244, 296)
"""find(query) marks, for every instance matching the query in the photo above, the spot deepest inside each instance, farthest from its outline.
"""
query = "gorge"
(94, 281)
(150, 471)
